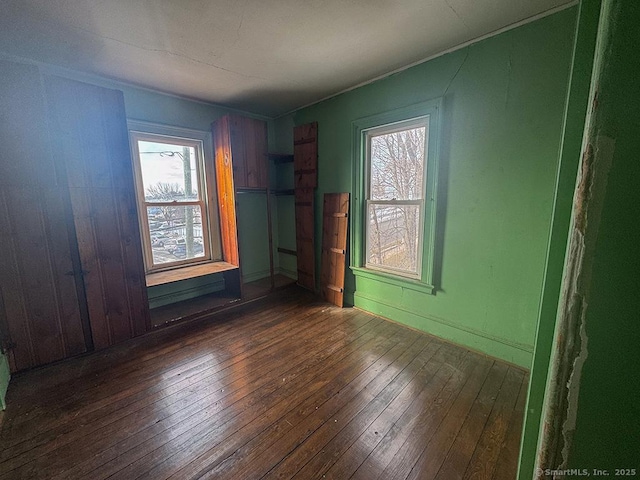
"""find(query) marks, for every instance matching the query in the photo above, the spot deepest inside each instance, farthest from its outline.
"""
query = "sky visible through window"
(158, 165)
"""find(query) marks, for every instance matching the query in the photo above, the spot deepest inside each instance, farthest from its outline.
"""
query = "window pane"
(397, 163)
(168, 172)
(393, 236)
(176, 233)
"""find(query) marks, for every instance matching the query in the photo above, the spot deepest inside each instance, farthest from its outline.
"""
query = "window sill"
(384, 277)
(183, 273)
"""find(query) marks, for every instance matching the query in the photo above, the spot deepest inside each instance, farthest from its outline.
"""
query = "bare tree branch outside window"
(397, 165)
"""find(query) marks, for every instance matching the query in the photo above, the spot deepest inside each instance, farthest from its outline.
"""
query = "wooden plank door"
(305, 161)
(305, 248)
(90, 142)
(40, 314)
(335, 221)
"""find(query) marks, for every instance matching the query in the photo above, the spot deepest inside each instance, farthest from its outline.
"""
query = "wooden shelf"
(183, 273)
(192, 308)
(213, 302)
(251, 190)
(284, 191)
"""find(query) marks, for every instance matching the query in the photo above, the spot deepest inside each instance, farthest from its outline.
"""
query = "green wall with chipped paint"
(606, 432)
(573, 129)
(503, 102)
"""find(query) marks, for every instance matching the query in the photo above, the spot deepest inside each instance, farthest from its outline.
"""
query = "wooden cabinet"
(71, 272)
(247, 143)
(241, 164)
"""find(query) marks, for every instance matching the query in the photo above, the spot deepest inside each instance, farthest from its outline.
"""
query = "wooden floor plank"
(210, 432)
(286, 387)
(183, 406)
(459, 455)
(485, 456)
(150, 391)
(438, 446)
(221, 371)
(385, 351)
(508, 462)
(327, 385)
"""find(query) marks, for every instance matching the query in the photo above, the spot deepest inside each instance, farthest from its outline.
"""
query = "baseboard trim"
(501, 348)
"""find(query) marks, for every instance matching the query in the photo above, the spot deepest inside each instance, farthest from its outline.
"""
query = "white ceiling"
(266, 57)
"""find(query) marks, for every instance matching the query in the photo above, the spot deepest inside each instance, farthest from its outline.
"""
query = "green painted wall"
(575, 114)
(607, 428)
(503, 111)
(4, 380)
(251, 211)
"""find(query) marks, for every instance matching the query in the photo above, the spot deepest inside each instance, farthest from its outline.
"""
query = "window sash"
(368, 134)
(413, 274)
(143, 204)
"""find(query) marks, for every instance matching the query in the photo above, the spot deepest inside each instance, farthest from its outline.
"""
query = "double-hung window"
(394, 215)
(177, 218)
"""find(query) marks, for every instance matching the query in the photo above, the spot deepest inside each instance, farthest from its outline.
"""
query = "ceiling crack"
(456, 14)
(168, 52)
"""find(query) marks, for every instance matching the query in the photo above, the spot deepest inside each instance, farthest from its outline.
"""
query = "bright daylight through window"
(171, 190)
(396, 157)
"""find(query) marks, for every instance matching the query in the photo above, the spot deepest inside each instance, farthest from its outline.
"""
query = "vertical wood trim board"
(225, 186)
(335, 221)
(305, 165)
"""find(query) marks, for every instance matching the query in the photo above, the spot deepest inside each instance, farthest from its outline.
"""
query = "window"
(173, 185)
(395, 196)
(394, 212)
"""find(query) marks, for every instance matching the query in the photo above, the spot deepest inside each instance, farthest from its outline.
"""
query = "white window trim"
(202, 141)
(384, 130)
(358, 259)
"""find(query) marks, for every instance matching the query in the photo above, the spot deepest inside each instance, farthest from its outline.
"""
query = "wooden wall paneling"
(335, 221)
(40, 307)
(226, 191)
(91, 142)
(15, 319)
(73, 324)
(305, 248)
(126, 209)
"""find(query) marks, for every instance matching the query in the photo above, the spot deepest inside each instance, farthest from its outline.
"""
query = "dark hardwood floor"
(285, 388)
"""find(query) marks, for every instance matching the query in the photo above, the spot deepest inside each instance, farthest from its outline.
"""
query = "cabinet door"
(248, 137)
(90, 142)
(40, 320)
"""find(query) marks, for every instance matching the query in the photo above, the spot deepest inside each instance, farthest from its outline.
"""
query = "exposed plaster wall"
(571, 338)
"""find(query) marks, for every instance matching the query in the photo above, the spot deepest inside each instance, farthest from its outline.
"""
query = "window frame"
(207, 199)
(363, 129)
(368, 134)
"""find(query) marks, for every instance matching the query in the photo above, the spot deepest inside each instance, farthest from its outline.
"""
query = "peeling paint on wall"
(570, 351)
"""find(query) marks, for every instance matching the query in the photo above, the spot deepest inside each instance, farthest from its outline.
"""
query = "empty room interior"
(319, 239)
